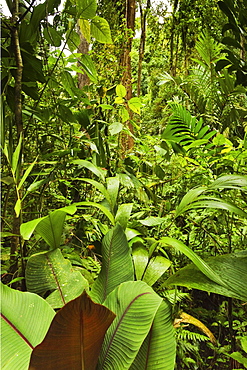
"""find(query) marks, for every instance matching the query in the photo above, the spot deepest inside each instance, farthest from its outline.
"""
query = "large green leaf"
(232, 268)
(88, 66)
(140, 259)
(28, 228)
(100, 30)
(212, 202)
(230, 182)
(25, 319)
(157, 266)
(75, 337)
(117, 264)
(198, 261)
(91, 167)
(135, 305)
(149, 270)
(123, 214)
(113, 188)
(86, 8)
(51, 272)
(159, 348)
(194, 198)
(51, 228)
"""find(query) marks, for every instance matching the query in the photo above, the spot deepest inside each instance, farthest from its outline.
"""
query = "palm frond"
(184, 129)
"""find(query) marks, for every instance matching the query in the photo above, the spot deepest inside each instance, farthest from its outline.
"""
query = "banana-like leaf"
(51, 228)
(51, 272)
(25, 319)
(140, 259)
(149, 270)
(99, 206)
(232, 268)
(123, 214)
(159, 348)
(194, 199)
(113, 188)
(117, 265)
(135, 305)
(198, 261)
(210, 202)
(49, 222)
(75, 337)
(157, 266)
(230, 182)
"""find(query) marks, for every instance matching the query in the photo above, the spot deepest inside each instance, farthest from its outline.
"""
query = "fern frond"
(187, 335)
(208, 49)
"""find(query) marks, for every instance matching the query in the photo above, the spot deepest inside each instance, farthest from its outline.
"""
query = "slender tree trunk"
(16, 240)
(172, 64)
(143, 14)
(83, 48)
(127, 141)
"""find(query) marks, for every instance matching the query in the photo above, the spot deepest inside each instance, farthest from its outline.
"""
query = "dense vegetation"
(124, 175)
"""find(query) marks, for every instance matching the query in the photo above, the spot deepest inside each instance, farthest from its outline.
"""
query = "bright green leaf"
(100, 30)
(51, 272)
(121, 91)
(25, 319)
(135, 105)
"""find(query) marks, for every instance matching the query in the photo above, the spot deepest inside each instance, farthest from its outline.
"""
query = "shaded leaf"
(91, 167)
(232, 269)
(104, 209)
(198, 261)
(75, 337)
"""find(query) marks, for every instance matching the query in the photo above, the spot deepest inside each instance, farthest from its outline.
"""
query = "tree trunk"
(127, 141)
(16, 240)
(142, 42)
(83, 48)
(172, 64)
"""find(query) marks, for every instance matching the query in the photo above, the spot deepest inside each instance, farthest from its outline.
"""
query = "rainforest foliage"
(124, 184)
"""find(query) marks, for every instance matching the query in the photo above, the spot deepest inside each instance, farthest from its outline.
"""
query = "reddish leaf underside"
(74, 338)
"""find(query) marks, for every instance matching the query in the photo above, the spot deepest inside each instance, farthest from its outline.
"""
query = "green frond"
(184, 129)
(187, 335)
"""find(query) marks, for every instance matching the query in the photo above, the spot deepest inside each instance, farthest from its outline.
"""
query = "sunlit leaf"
(25, 319)
(117, 264)
(135, 105)
(51, 272)
(136, 306)
(100, 30)
(121, 91)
